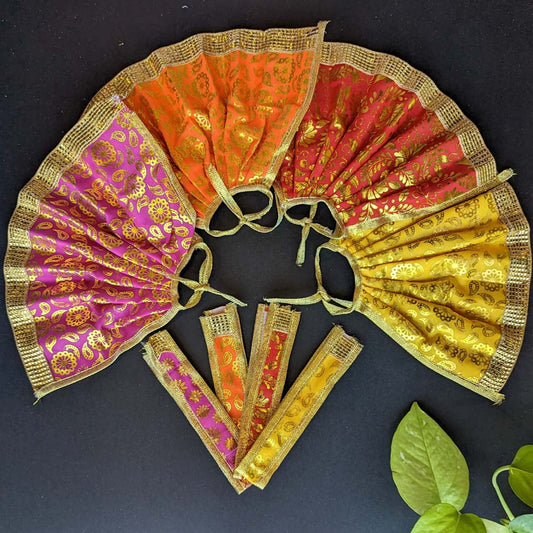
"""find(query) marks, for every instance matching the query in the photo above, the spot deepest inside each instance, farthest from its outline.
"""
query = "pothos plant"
(431, 476)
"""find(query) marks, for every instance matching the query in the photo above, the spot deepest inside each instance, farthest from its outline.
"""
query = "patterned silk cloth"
(380, 142)
(439, 247)
(451, 288)
(227, 359)
(96, 246)
(224, 107)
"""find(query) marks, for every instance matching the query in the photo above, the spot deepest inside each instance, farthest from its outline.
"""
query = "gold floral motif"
(103, 153)
(183, 371)
(180, 384)
(230, 443)
(78, 315)
(64, 363)
(134, 186)
(97, 340)
(147, 154)
(203, 411)
(195, 396)
(133, 232)
(159, 211)
(214, 434)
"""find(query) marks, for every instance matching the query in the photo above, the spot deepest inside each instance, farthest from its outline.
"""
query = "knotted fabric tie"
(307, 224)
(231, 204)
(202, 285)
(335, 306)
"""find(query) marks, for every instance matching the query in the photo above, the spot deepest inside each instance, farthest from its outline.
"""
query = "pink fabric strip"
(197, 401)
(206, 414)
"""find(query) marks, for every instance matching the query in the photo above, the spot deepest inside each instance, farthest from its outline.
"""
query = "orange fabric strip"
(223, 337)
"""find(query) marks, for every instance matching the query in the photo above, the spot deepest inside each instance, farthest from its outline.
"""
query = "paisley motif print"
(443, 285)
(106, 245)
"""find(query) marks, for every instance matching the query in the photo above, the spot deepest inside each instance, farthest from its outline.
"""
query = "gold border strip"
(517, 289)
(84, 132)
(279, 154)
(250, 41)
(286, 40)
(337, 344)
(268, 319)
(430, 96)
(162, 342)
(515, 313)
(218, 322)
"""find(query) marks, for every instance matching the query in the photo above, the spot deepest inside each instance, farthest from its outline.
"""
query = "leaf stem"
(499, 492)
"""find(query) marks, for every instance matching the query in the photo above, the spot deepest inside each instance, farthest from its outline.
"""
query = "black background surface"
(113, 453)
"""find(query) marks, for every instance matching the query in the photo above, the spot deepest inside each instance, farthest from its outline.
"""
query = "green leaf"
(494, 527)
(427, 467)
(445, 518)
(522, 524)
(521, 474)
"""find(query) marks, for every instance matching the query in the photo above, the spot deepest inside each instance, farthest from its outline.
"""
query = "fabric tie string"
(335, 306)
(307, 224)
(243, 219)
(202, 285)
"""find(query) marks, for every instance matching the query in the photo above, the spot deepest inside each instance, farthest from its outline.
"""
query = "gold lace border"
(85, 131)
(432, 99)
(337, 344)
(516, 290)
(267, 320)
(516, 306)
(162, 342)
(218, 322)
(250, 41)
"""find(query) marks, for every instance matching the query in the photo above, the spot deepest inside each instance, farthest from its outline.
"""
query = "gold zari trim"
(432, 98)
(336, 353)
(90, 126)
(163, 342)
(250, 41)
(517, 289)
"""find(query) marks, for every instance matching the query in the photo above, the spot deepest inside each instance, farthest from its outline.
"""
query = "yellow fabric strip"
(327, 365)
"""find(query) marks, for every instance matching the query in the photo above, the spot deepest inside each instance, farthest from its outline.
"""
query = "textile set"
(436, 239)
